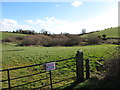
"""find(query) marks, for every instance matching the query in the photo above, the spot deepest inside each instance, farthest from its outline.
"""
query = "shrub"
(65, 40)
(104, 36)
(58, 40)
(93, 39)
(53, 40)
(73, 40)
(19, 37)
(113, 67)
(13, 39)
(36, 40)
(28, 41)
(10, 39)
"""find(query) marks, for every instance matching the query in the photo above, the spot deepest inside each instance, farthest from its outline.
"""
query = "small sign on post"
(50, 66)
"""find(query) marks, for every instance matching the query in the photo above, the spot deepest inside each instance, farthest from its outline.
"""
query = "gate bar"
(8, 79)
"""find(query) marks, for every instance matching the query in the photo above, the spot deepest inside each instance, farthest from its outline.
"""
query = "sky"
(56, 17)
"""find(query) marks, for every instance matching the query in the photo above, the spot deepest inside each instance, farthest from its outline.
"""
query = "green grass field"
(17, 56)
(21, 56)
(4, 35)
(112, 32)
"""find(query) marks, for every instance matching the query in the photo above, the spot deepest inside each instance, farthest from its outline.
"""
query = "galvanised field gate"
(36, 77)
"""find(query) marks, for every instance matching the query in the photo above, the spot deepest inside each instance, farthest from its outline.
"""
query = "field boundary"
(79, 77)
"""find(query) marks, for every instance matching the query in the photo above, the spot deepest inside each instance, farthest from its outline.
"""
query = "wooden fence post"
(79, 66)
(87, 69)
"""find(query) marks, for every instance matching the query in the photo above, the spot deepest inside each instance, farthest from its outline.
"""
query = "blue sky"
(58, 17)
(35, 10)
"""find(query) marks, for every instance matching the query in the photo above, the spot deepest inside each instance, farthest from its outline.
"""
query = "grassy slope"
(14, 56)
(4, 35)
(112, 32)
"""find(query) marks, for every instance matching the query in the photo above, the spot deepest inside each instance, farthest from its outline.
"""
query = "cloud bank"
(54, 25)
(11, 25)
(76, 3)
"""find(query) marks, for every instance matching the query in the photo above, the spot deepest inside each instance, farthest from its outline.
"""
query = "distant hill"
(110, 32)
(4, 35)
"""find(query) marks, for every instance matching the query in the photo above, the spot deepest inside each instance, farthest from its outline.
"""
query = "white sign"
(50, 66)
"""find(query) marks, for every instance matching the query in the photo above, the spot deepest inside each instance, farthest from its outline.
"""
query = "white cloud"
(69, 27)
(10, 25)
(38, 21)
(76, 3)
(29, 21)
(51, 24)
(105, 20)
(57, 5)
(7, 24)
(57, 26)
